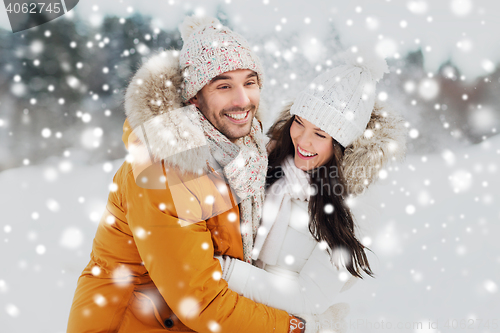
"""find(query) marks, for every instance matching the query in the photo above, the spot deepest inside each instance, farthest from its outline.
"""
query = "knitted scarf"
(244, 165)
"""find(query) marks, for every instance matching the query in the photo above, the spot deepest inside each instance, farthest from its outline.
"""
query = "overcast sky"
(466, 31)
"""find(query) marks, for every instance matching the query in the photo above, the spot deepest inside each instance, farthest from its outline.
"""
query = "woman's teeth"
(237, 116)
(305, 153)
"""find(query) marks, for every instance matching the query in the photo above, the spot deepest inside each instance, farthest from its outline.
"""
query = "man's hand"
(332, 320)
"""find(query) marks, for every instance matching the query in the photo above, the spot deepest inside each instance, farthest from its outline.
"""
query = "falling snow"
(428, 222)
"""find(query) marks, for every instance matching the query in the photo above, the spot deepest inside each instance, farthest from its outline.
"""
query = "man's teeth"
(237, 116)
(303, 152)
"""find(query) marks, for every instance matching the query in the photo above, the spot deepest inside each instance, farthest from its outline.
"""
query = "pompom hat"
(341, 100)
(209, 50)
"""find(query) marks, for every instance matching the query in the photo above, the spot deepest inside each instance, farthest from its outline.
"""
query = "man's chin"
(235, 137)
(235, 134)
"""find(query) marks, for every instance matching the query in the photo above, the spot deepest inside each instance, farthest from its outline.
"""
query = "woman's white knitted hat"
(209, 50)
(341, 100)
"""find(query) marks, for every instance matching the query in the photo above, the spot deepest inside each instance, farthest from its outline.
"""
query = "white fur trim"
(153, 101)
(383, 141)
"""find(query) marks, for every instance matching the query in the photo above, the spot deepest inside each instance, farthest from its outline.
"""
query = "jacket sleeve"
(311, 291)
(178, 254)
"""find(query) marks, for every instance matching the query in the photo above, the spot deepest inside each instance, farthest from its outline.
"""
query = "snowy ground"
(433, 225)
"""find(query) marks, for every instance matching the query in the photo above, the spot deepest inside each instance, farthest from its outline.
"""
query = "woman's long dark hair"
(335, 228)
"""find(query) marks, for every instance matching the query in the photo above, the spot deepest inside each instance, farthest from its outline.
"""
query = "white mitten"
(330, 321)
(226, 265)
(221, 261)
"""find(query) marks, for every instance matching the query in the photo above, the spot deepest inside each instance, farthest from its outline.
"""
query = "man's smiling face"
(230, 101)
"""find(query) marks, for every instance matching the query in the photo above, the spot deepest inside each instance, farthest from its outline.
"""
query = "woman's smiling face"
(313, 147)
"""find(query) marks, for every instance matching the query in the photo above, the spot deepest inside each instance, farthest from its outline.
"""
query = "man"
(190, 130)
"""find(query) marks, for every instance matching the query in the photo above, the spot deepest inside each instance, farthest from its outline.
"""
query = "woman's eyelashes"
(298, 122)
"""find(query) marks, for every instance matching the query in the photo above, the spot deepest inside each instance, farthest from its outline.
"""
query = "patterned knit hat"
(341, 100)
(209, 50)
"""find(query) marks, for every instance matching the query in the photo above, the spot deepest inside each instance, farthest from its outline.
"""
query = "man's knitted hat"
(341, 101)
(209, 50)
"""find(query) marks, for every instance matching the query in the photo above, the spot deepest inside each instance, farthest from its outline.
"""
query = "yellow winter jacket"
(152, 266)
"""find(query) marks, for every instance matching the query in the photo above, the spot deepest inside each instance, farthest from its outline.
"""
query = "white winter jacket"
(304, 280)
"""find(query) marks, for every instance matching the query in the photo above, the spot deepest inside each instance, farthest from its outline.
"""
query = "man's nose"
(240, 97)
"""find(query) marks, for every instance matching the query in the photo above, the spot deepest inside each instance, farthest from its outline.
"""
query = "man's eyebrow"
(227, 77)
(220, 77)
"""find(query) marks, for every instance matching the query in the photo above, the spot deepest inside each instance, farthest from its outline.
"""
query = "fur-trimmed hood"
(384, 140)
(157, 116)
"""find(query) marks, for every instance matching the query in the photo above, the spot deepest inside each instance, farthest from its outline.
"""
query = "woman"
(328, 145)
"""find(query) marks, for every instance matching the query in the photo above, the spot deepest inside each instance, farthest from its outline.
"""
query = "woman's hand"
(332, 320)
